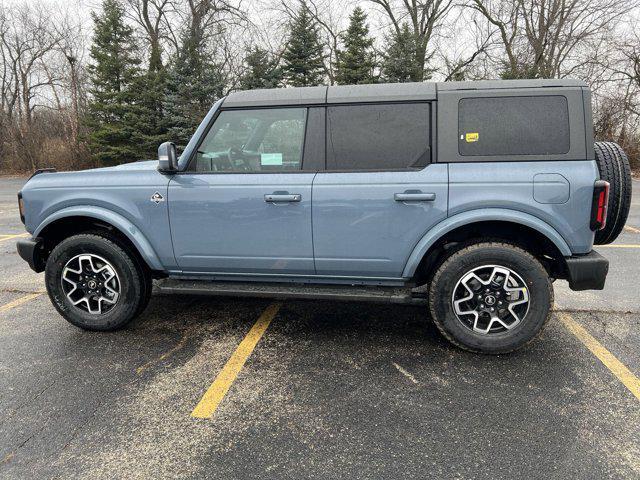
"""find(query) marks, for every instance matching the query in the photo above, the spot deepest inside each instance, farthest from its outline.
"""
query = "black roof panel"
(276, 96)
(381, 92)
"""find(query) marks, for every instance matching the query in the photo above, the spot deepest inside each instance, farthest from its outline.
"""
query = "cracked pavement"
(333, 390)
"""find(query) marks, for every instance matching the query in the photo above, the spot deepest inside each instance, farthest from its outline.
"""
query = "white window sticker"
(270, 159)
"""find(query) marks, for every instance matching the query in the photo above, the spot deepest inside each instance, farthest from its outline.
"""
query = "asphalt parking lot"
(328, 390)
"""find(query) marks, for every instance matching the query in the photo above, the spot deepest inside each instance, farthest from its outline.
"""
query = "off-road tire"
(143, 269)
(490, 253)
(614, 168)
(134, 290)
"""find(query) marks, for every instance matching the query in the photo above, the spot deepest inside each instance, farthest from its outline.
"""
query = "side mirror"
(167, 158)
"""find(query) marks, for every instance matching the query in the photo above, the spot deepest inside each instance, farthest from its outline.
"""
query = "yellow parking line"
(9, 237)
(614, 365)
(19, 301)
(179, 346)
(632, 229)
(619, 245)
(220, 386)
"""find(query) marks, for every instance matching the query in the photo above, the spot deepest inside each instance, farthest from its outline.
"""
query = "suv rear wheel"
(490, 298)
(95, 284)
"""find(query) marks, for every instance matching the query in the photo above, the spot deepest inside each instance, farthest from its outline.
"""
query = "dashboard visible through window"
(257, 140)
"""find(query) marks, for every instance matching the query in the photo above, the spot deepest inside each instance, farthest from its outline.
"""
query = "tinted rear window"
(378, 137)
(513, 126)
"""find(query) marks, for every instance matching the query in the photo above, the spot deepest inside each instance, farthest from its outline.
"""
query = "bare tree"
(464, 59)
(28, 39)
(208, 17)
(617, 112)
(548, 38)
(150, 15)
(72, 47)
(324, 13)
(9, 85)
(628, 70)
(424, 17)
(42, 84)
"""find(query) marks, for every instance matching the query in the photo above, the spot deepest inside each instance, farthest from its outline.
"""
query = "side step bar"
(291, 291)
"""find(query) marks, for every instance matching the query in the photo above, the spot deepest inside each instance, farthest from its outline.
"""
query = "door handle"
(414, 197)
(282, 197)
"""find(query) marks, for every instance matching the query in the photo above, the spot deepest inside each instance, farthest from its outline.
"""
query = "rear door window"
(378, 137)
(536, 125)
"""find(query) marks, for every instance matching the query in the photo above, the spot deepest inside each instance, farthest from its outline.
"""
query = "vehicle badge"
(157, 198)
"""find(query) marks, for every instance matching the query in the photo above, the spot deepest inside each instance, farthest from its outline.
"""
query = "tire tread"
(614, 168)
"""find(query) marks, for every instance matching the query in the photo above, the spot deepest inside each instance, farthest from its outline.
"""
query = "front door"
(244, 204)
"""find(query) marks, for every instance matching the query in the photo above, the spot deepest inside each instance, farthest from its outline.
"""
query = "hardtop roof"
(380, 92)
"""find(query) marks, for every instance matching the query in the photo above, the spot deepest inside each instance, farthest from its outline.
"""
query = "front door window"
(261, 140)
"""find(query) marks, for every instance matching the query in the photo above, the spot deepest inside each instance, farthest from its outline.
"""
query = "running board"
(291, 291)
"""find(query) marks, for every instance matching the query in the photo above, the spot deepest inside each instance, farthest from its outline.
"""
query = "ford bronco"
(469, 197)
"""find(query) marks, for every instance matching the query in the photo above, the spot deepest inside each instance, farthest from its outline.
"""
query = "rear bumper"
(587, 272)
(31, 251)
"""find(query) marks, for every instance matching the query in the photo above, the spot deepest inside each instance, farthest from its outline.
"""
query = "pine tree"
(152, 88)
(194, 83)
(303, 58)
(262, 70)
(152, 125)
(399, 57)
(356, 62)
(114, 110)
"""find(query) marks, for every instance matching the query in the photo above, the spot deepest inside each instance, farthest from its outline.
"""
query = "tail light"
(21, 206)
(599, 205)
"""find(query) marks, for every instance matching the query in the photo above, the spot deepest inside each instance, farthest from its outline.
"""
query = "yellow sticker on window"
(472, 137)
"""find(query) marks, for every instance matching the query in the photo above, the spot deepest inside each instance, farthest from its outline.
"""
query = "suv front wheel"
(95, 283)
(490, 298)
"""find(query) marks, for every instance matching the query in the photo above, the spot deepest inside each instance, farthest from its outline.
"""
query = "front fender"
(476, 216)
(118, 221)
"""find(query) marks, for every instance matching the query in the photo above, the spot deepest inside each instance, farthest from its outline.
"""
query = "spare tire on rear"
(614, 168)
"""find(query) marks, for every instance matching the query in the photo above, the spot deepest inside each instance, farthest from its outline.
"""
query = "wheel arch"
(520, 228)
(73, 220)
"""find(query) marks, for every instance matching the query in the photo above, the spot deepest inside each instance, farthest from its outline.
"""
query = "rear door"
(244, 205)
(380, 193)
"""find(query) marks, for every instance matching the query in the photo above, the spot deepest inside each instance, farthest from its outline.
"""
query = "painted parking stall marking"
(219, 388)
(9, 237)
(19, 301)
(615, 366)
(632, 229)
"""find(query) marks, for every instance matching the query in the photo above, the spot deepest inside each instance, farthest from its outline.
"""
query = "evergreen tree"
(194, 83)
(114, 111)
(152, 125)
(399, 57)
(262, 70)
(152, 88)
(356, 62)
(303, 58)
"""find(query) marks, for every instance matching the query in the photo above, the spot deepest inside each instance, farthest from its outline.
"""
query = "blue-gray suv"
(471, 197)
